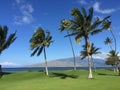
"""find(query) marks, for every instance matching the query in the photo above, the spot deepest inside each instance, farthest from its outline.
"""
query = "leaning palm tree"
(72, 51)
(114, 38)
(39, 41)
(113, 51)
(5, 41)
(82, 25)
(94, 50)
(63, 28)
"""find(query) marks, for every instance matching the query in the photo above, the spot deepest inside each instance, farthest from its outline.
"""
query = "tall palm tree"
(39, 41)
(5, 41)
(72, 51)
(93, 51)
(62, 28)
(113, 52)
(108, 41)
(114, 38)
(115, 46)
(82, 25)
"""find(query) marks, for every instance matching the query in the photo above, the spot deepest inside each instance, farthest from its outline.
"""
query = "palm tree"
(93, 51)
(4, 41)
(113, 52)
(113, 59)
(108, 41)
(72, 51)
(82, 25)
(62, 28)
(39, 41)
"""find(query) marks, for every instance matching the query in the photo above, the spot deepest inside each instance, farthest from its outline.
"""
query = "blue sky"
(26, 15)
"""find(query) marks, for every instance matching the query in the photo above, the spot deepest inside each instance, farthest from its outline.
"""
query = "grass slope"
(60, 80)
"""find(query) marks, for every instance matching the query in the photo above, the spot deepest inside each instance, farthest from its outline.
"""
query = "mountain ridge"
(69, 62)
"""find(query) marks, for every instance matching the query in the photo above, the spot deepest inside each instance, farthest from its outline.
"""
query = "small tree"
(113, 59)
(39, 41)
(4, 41)
(108, 41)
(93, 51)
(113, 55)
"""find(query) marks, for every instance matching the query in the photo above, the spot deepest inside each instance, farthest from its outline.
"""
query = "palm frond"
(40, 51)
(61, 28)
(1, 32)
(95, 24)
(106, 18)
(89, 17)
(65, 25)
(34, 52)
(78, 38)
(5, 31)
(93, 32)
(77, 15)
(83, 54)
(84, 12)
(10, 40)
(106, 24)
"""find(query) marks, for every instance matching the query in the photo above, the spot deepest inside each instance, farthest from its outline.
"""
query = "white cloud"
(17, 1)
(8, 64)
(26, 8)
(97, 8)
(82, 1)
(27, 19)
(26, 11)
(102, 56)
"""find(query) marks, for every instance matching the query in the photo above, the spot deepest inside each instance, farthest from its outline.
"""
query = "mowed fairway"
(60, 80)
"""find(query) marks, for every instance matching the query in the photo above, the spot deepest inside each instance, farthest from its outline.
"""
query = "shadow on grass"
(63, 75)
(4, 73)
(103, 74)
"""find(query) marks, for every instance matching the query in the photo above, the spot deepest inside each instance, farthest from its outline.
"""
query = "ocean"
(21, 69)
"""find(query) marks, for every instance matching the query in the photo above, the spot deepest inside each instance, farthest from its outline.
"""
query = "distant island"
(68, 62)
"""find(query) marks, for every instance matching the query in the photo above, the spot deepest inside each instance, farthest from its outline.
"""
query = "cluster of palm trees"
(113, 56)
(82, 26)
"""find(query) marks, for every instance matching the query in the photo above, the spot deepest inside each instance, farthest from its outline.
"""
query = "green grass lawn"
(60, 80)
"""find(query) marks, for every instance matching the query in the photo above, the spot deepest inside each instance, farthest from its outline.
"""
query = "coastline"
(21, 69)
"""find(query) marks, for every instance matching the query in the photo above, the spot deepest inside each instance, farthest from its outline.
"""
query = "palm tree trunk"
(0, 71)
(72, 51)
(88, 46)
(46, 68)
(90, 69)
(114, 39)
(111, 47)
(119, 70)
(93, 64)
(116, 69)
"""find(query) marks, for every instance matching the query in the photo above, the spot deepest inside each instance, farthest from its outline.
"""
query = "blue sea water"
(49, 68)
